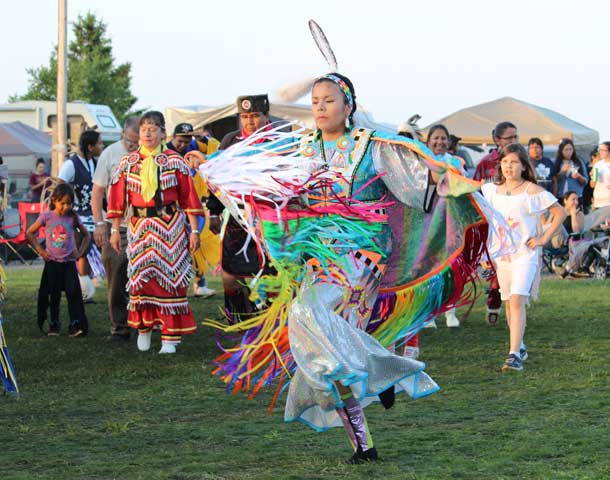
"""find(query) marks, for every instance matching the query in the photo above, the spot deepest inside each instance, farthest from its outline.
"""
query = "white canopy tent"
(475, 124)
(20, 146)
(200, 116)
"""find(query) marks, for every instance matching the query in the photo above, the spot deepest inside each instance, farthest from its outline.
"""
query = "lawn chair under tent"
(28, 214)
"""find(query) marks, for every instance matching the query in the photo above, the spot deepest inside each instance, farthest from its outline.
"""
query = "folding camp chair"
(28, 214)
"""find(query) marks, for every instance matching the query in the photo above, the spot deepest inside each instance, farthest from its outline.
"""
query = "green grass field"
(97, 410)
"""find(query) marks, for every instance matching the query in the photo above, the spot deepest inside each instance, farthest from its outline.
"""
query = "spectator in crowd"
(39, 180)
(587, 192)
(4, 194)
(183, 134)
(575, 219)
(438, 142)
(78, 170)
(600, 177)
(184, 141)
(543, 167)
(454, 144)
(208, 256)
(115, 263)
(504, 134)
(583, 253)
(570, 171)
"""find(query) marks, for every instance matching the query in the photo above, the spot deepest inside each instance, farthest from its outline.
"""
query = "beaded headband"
(343, 86)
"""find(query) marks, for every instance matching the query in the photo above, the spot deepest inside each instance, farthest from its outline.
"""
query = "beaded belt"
(154, 211)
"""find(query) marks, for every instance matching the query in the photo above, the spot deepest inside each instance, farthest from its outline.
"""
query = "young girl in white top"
(520, 200)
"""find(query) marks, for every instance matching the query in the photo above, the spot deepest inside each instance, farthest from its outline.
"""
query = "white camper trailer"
(42, 115)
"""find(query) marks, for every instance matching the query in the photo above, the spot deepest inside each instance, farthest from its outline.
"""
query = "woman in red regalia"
(157, 185)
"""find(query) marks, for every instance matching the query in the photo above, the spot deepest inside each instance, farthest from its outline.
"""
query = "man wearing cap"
(115, 264)
(183, 134)
(253, 112)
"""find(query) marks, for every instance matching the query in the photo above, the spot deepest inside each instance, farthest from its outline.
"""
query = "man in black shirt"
(543, 167)
(253, 111)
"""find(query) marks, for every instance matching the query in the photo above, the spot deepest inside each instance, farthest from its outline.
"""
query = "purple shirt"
(59, 236)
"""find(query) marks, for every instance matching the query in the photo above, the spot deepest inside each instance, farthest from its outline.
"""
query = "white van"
(42, 115)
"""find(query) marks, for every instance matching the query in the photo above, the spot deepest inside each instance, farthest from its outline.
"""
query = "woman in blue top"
(571, 174)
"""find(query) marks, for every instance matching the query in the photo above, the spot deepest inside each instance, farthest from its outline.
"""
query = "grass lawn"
(97, 410)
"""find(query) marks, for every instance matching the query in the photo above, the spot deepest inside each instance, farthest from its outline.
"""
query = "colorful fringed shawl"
(434, 255)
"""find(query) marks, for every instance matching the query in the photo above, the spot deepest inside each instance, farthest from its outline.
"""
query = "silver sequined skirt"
(327, 339)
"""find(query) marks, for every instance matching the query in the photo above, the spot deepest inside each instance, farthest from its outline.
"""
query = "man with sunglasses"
(504, 134)
(115, 264)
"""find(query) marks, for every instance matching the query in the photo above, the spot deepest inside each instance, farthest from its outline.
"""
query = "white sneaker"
(87, 287)
(411, 352)
(167, 347)
(204, 292)
(452, 320)
(144, 341)
(431, 324)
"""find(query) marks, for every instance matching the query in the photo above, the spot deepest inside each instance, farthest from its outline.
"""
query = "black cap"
(253, 103)
(183, 129)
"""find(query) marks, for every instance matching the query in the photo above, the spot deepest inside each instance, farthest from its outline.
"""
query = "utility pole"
(60, 135)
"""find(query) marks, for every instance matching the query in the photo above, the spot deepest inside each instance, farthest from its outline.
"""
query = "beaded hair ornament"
(343, 86)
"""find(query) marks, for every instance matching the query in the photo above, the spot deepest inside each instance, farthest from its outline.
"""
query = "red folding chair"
(28, 214)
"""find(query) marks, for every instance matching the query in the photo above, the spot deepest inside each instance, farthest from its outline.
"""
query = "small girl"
(521, 201)
(60, 255)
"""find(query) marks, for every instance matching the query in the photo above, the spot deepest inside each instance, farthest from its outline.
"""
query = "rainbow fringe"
(261, 356)
(7, 372)
(400, 312)
(262, 353)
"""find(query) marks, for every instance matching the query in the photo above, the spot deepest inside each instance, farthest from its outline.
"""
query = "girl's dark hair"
(528, 171)
(607, 144)
(60, 191)
(350, 85)
(500, 129)
(39, 161)
(88, 139)
(574, 158)
(154, 117)
(434, 128)
(567, 195)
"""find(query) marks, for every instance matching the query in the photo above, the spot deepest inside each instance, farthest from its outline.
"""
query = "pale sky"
(427, 57)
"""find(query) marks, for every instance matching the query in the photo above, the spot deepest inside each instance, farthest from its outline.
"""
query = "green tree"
(93, 76)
